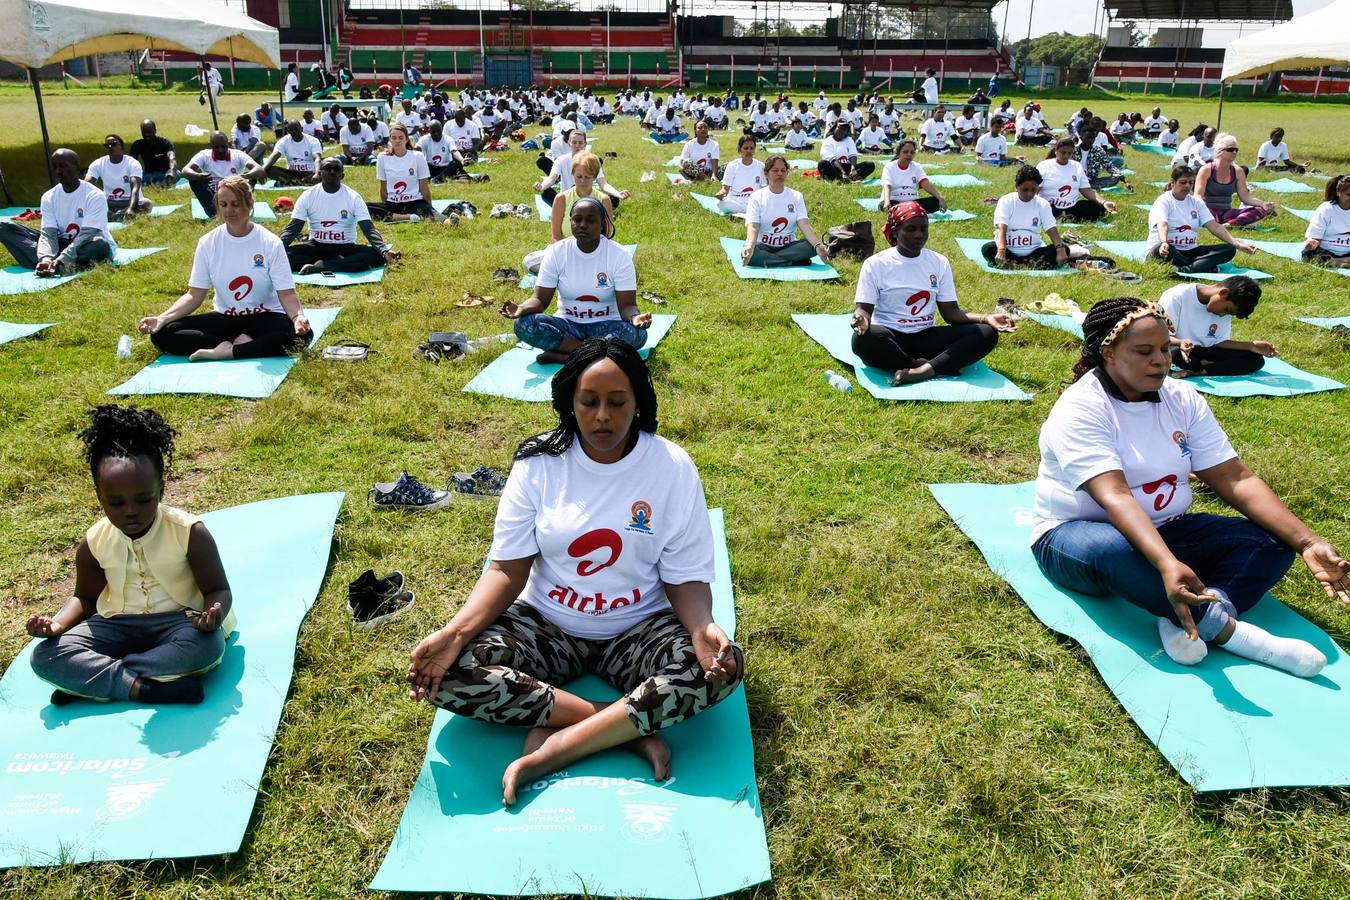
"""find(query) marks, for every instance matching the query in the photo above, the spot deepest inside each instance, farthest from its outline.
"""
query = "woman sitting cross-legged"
(900, 292)
(903, 177)
(701, 159)
(256, 312)
(1328, 233)
(741, 178)
(1019, 219)
(1113, 493)
(1174, 225)
(596, 285)
(772, 218)
(1066, 187)
(585, 168)
(1220, 179)
(601, 561)
(405, 182)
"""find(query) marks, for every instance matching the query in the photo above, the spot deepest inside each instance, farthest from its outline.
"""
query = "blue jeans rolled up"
(547, 332)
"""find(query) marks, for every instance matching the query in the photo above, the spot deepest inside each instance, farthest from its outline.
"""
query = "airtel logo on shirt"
(1184, 228)
(242, 287)
(919, 302)
(1064, 189)
(117, 193)
(594, 542)
(778, 225)
(400, 186)
(72, 230)
(1164, 488)
(328, 223)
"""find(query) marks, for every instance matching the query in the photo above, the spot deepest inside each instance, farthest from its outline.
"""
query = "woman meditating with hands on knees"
(741, 178)
(256, 311)
(903, 177)
(1113, 493)
(1174, 225)
(1019, 219)
(901, 292)
(601, 561)
(772, 218)
(597, 287)
(1220, 179)
(152, 606)
(1327, 237)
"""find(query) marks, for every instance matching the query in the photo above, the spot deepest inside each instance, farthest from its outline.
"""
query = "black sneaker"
(373, 600)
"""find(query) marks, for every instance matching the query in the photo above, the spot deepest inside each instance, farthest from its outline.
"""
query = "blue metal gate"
(512, 71)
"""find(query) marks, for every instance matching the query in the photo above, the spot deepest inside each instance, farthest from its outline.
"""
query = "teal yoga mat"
(121, 781)
(1225, 724)
(13, 331)
(1283, 249)
(18, 280)
(1277, 378)
(342, 279)
(601, 827)
(261, 211)
(873, 204)
(160, 212)
(251, 378)
(955, 181)
(527, 281)
(1063, 323)
(802, 164)
(1304, 214)
(975, 384)
(1284, 186)
(1137, 251)
(709, 202)
(1153, 148)
(1328, 323)
(818, 270)
(543, 208)
(516, 376)
(970, 249)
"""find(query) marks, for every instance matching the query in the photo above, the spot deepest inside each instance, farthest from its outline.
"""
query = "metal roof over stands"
(1203, 10)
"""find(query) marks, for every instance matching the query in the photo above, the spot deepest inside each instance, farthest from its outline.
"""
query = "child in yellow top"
(151, 610)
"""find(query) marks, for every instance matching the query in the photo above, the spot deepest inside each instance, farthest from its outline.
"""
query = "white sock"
(1180, 648)
(1294, 656)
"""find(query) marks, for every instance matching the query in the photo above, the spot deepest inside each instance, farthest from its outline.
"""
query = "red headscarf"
(898, 215)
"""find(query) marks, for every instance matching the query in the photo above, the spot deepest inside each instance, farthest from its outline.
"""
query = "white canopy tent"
(37, 33)
(1320, 38)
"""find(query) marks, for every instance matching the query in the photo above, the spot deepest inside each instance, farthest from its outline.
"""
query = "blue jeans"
(1233, 554)
(547, 332)
(669, 138)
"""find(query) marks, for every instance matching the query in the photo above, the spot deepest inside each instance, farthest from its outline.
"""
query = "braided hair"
(1098, 328)
(553, 443)
(127, 432)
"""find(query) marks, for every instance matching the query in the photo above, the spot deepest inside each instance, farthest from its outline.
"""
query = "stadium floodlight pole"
(1031, 11)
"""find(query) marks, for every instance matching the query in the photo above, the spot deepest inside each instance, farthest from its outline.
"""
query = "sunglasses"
(1228, 149)
(112, 144)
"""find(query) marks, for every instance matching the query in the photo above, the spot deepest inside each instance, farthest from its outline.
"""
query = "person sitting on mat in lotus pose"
(1100, 167)
(405, 182)
(1066, 188)
(701, 158)
(772, 217)
(741, 178)
(1274, 155)
(601, 561)
(151, 609)
(797, 138)
(255, 312)
(333, 212)
(302, 153)
(839, 157)
(156, 156)
(596, 284)
(900, 292)
(1118, 452)
(1019, 219)
(1328, 233)
(1219, 180)
(1174, 225)
(73, 234)
(1202, 328)
(120, 177)
(903, 177)
(992, 148)
(357, 142)
(206, 169)
(667, 128)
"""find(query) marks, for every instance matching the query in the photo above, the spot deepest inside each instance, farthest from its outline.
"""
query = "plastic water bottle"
(479, 343)
(837, 381)
(124, 346)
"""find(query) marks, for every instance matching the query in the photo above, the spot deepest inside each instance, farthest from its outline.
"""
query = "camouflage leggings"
(506, 674)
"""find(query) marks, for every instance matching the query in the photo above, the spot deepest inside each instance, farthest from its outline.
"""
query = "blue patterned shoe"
(483, 483)
(409, 493)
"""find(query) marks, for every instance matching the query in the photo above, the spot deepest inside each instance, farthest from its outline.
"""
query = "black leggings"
(452, 169)
(949, 348)
(282, 175)
(797, 253)
(1040, 258)
(382, 211)
(1321, 257)
(544, 163)
(335, 257)
(930, 204)
(1084, 210)
(831, 171)
(272, 333)
(1201, 259)
(1219, 361)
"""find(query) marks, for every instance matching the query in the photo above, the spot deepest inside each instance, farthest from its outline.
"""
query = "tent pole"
(42, 119)
(210, 97)
(1219, 123)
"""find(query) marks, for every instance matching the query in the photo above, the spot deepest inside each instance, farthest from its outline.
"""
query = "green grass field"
(918, 733)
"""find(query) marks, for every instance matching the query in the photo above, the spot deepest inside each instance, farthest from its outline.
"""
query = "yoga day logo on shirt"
(258, 261)
(1035, 221)
(1213, 329)
(601, 279)
(342, 215)
(642, 517)
(1179, 437)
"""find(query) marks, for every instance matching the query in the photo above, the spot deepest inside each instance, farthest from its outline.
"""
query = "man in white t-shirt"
(74, 233)
(358, 144)
(839, 157)
(246, 137)
(464, 133)
(120, 177)
(333, 212)
(992, 147)
(332, 121)
(312, 126)
(205, 170)
(1154, 123)
(936, 133)
(302, 154)
(701, 158)
(1202, 327)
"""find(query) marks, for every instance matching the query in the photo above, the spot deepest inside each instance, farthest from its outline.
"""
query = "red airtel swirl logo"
(242, 287)
(778, 224)
(400, 187)
(118, 193)
(918, 302)
(1165, 488)
(1064, 189)
(591, 542)
(328, 223)
(72, 231)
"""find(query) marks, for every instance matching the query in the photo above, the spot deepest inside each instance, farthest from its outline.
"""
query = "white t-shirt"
(930, 89)
(606, 538)
(715, 116)
(402, 175)
(965, 125)
(244, 138)
(852, 117)
(1022, 125)
(587, 283)
(1169, 138)
(1269, 154)
(562, 174)
(356, 144)
(83, 209)
(935, 133)
(761, 121)
(776, 214)
(1155, 445)
(302, 155)
(1191, 320)
(1331, 225)
(116, 177)
(741, 180)
(333, 124)
(668, 125)
(410, 120)
(246, 272)
(1024, 221)
(705, 156)
(832, 149)
(1201, 154)
(1119, 127)
(312, 127)
(991, 147)
(797, 140)
(905, 292)
(463, 136)
(888, 120)
(1154, 123)
(437, 153)
(1184, 219)
(332, 217)
(235, 164)
(872, 138)
(1062, 185)
(904, 182)
(292, 85)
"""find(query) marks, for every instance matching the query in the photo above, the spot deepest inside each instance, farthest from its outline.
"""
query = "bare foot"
(551, 357)
(223, 350)
(535, 739)
(922, 372)
(522, 771)
(654, 749)
(310, 268)
(242, 339)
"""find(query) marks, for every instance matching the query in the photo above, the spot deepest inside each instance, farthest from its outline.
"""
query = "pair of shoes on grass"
(372, 600)
(408, 493)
